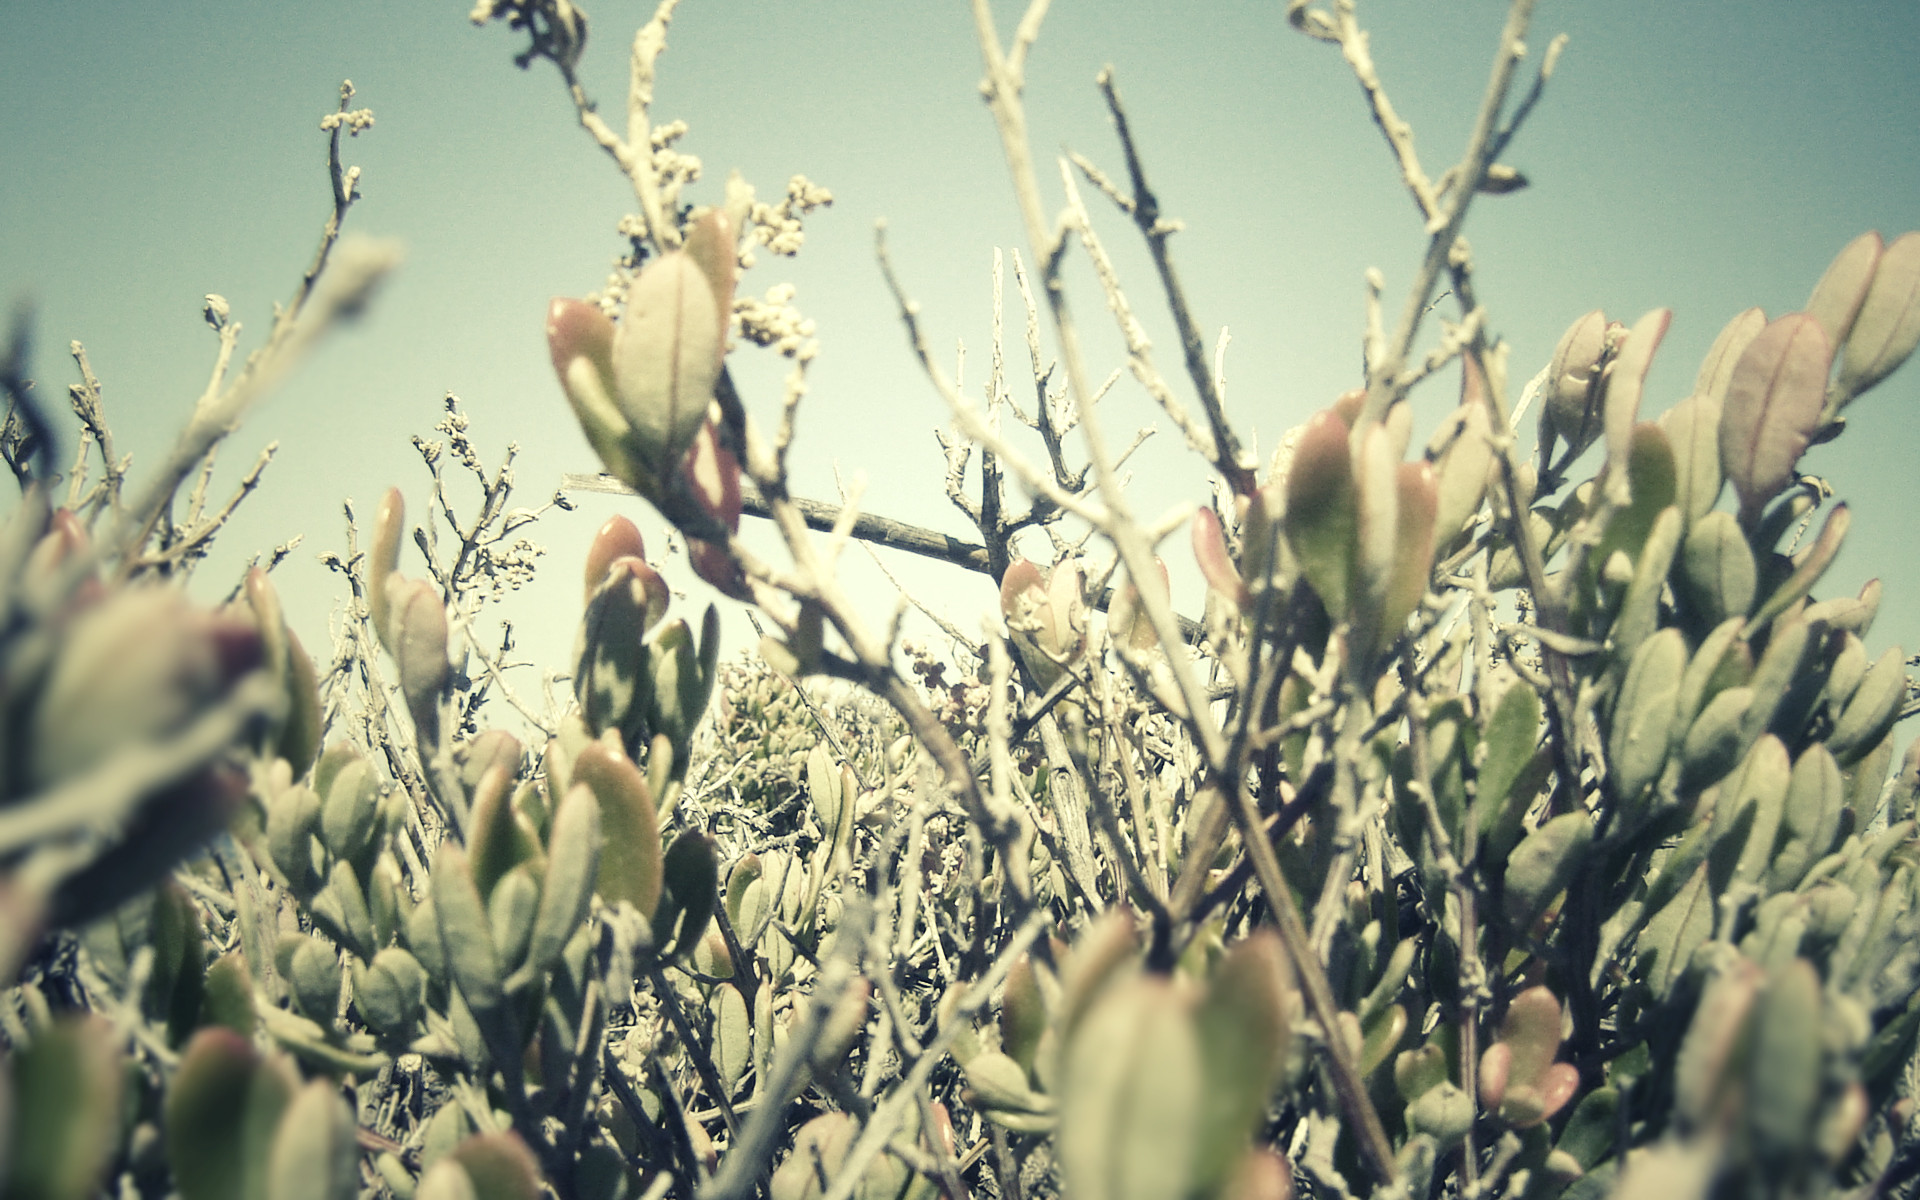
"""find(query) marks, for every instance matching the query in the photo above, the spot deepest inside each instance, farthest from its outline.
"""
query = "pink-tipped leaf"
(1772, 406)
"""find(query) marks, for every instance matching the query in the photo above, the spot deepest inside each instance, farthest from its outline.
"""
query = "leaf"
(1716, 370)
(1511, 735)
(1461, 466)
(1641, 731)
(710, 244)
(1639, 612)
(1761, 786)
(1836, 298)
(1023, 1013)
(472, 959)
(1131, 1097)
(390, 991)
(500, 1165)
(1627, 378)
(1651, 491)
(1810, 820)
(1413, 547)
(1717, 572)
(1773, 404)
(383, 557)
(1784, 1080)
(1376, 530)
(496, 841)
(566, 891)
(1888, 326)
(629, 867)
(66, 1109)
(511, 912)
(418, 639)
(1210, 551)
(1871, 711)
(1693, 430)
(1245, 1025)
(1321, 516)
(691, 880)
(220, 1115)
(732, 1036)
(1570, 384)
(667, 351)
(1540, 867)
(314, 1155)
(1813, 563)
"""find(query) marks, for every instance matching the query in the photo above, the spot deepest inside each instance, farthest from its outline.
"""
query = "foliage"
(1500, 828)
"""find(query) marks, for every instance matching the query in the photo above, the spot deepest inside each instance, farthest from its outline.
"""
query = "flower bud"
(618, 538)
(1572, 404)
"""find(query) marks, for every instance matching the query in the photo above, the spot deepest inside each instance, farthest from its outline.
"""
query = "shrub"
(1499, 828)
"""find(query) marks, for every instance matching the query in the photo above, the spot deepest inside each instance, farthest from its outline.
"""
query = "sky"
(1705, 156)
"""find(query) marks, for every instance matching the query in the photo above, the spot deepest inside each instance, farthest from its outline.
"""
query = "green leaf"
(228, 1001)
(1810, 821)
(1625, 381)
(1023, 1013)
(510, 915)
(1720, 662)
(1593, 1130)
(1871, 710)
(497, 841)
(1784, 1080)
(1131, 1095)
(1641, 731)
(312, 971)
(1245, 1024)
(1460, 469)
(293, 818)
(1511, 735)
(1540, 867)
(1888, 326)
(629, 865)
(1810, 565)
(1761, 785)
(341, 911)
(66, 1110)
(220, 1115)
(472, 960)
(1836, 298)
(566, 894)
(500, 1165)
(1717, 574)
(1639, 612)
(419, 642)
(691, 880)
(348, 816)
(1322, 519)
(446, 1180)
(314, 1155)
(732, 1036)
(1672, 934)
(667, 351)
(390, 991)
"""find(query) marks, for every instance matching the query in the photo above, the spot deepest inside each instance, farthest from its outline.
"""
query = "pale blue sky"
(1704, 156)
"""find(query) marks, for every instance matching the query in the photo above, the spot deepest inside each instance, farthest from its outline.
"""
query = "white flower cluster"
(777, 226)
(673, 169)
(357, 122)
(774, 321)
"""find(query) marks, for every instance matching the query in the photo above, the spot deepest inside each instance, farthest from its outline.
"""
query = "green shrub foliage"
(1510, 823)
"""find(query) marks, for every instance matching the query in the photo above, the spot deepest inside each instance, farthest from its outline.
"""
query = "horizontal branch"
(881, 531)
